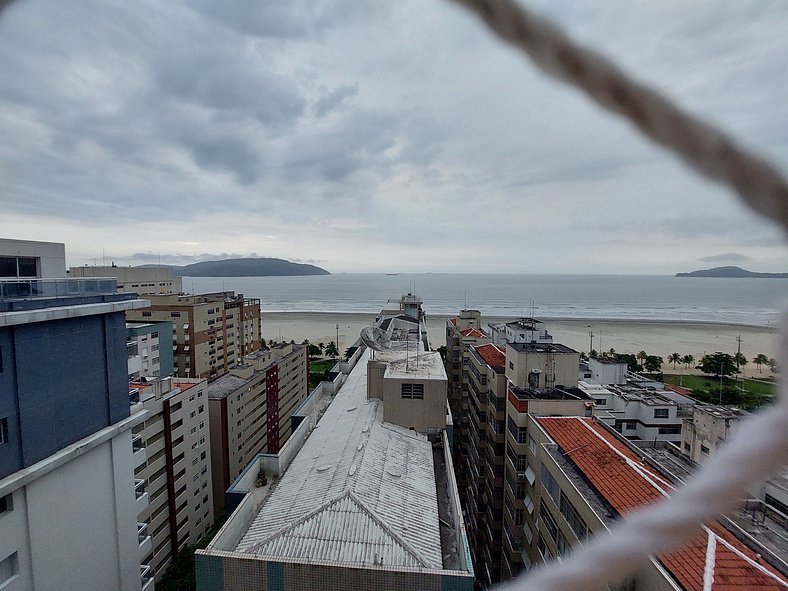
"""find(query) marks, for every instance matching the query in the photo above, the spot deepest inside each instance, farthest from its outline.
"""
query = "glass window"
(660, 413)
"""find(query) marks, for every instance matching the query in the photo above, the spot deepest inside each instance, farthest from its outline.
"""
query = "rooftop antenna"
(466, 298)
(103, 257)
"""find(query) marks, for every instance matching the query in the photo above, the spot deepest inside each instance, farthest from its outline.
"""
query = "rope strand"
(702, 146)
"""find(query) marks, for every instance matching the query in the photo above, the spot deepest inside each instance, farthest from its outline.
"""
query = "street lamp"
(338, 349)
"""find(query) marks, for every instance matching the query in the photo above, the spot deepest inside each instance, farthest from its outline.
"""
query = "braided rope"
(705, 148)
(742, 463)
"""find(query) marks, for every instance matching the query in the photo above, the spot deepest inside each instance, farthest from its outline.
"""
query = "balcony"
(142, 532)
(29, 289)
(137, 443)
(139, 488)
(146, 576)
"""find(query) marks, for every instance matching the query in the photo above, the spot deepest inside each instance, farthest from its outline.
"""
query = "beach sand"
(625, 336)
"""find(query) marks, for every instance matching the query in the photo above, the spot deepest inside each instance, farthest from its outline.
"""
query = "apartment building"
(358, 503)
(521, 330)
(462, 332)
(149, 347)
(707, 428)
(176, 473)
(68, 502)
(250, 410)
(213, 332)
(586, 476)
(139, 280)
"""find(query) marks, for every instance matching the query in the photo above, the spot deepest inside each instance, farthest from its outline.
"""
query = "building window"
(200, 409)
(6, 504)
(687, 447)
(548, 521)
(550, 485)
(532, 444)
(573, 518)
(175, 314)
(412, 391)
(18, 267)
(601, 401)
(9, 568)
(660, 413)
(1, 360)
(671, 430)
(630, 425)
(704, 450)
(511, 365)
(517, 516)
(3, 430)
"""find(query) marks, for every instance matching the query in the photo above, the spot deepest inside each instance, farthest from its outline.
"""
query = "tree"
(612, 352)
(631, 361)
(760, 360)
(740, 359)
(653, 363)
(593, 353)
(642, 357)
(674, 358)
(688, 360)
(442, 351)
(772, 363)
(314, 350)
(348, 353)
(321, 346)
(331, 349)
(717, 364)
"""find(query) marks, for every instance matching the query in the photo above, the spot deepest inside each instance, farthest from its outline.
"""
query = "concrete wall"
(51, 255)
(75, 527)
(144, 281)
(608, 373)
(520, 364)
(423, 414)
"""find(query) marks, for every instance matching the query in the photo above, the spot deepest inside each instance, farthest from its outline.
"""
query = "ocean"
(754, 302)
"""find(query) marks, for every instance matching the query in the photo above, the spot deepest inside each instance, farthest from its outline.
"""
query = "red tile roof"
(493, 355)
(183, 385)
(626, 483)
(472, 332)
(678, 390)
(453, 321)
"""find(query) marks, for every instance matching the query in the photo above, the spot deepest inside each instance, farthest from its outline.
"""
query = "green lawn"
(748, 394)
(318, 371)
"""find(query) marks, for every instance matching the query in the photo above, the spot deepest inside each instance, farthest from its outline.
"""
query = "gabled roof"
(493, 355)
(716, 561)
(358, 535)
(356, 483)
(472, 332)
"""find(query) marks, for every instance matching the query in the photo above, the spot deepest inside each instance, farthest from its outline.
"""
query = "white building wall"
(75, 527)
(52, 255)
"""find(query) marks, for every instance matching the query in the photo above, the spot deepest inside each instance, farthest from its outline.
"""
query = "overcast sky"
(376, 135)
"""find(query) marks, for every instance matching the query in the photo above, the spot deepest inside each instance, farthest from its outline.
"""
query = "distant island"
(732, 272)
(261, 267)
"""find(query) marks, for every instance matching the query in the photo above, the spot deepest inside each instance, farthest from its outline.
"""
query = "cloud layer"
(375, 136)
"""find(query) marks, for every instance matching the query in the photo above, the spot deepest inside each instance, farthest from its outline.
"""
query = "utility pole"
(338, 350)
(721, 363)
(591, 334)
(738, 355)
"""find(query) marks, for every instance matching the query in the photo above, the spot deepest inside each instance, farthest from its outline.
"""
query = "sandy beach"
(625, 336)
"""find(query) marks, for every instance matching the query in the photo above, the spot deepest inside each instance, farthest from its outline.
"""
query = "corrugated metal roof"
(358, 492)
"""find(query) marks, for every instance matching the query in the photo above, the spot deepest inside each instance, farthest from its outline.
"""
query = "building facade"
(250, 410)
(149, 346)
(139, 280)
(213, 332)
(68, 501)
(176, 471)
(707, 428)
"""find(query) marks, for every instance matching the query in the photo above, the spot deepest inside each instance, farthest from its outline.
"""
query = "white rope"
(699, 144)
(760, 447)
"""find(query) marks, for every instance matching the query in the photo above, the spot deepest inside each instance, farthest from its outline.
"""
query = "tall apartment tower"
(250, 410)
(176, 473)
(462, 332)
(213, 332)
(68, 502)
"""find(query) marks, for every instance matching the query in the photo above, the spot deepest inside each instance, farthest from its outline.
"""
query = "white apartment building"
(139, 280)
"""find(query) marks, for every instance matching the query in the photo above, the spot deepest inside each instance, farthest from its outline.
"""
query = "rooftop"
(360, 492)
(541, 348)
(722, 412)
(626, 482)
(225, 385)
(548, 393)
(493, 355)
(473, 332)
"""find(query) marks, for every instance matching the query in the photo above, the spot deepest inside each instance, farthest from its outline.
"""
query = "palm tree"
(612, 352)
(674, 358)
(740, 359)
(760, 360)
(642, 356)
(688, 360)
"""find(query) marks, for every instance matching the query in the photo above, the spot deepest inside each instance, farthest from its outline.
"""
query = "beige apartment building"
(139, 280)
(213, 332)
(177, 472)
(462, 332)
(709, 427)
(250, 410)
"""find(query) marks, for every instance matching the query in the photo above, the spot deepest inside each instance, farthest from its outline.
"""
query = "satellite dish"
(375, 338)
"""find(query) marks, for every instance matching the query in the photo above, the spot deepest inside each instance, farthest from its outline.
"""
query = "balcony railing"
(137, 443)
(134, 395)
(142, 532)
(28, 289)
(139, 488)
(146, 574)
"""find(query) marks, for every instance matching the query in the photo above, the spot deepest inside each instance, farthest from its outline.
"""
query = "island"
(246, 267)
(736, 272)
